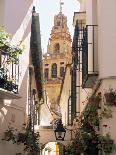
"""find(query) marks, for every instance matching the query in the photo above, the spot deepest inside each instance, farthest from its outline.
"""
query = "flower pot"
(107, 146)
(21, 138)
(110, 98)
(8, 136)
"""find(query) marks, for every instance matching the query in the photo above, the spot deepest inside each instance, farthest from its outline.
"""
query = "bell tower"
(57, 57)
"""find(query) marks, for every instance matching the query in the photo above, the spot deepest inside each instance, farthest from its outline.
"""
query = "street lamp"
(60, 131)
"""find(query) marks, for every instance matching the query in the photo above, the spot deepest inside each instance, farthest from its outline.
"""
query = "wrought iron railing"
(84, 55)
(89, 45)
(75, 61)
(84, 49)
(9, 71)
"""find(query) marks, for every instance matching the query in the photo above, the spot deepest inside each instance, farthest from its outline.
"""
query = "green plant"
(87, 140)
(7, 47)
(27, 137)
(95, 99)
(8, 134)
(105, 143)
(106, 112)
(91, 111)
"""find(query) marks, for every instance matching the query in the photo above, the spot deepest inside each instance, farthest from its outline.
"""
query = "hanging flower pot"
(110, 97)
(8, 135)
(107, 146)
(21, 138)
(106, 143)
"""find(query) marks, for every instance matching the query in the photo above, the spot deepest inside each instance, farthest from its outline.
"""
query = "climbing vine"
(88, 139)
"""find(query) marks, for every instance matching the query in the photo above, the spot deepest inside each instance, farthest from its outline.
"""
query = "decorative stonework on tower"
(57, 57)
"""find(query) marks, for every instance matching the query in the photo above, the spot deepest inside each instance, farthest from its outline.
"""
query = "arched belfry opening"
(57, 48)
(54, 70)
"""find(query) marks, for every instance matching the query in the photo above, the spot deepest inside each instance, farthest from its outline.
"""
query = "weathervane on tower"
(61, 3)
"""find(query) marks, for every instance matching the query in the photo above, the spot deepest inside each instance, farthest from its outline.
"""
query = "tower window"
(61, 71)
(56, 48)
(54, 70)
(46, 73)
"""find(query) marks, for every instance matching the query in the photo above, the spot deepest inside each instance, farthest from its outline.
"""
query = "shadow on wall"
(23, 91)
(14, 111)
(13, 114)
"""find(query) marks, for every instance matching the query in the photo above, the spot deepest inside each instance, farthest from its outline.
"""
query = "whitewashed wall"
(107, 37)
(15, 16)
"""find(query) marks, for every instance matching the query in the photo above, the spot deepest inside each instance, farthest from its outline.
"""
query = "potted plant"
(8, 134)
(110, 97)
(106, 112)
(26, 137)
(21, 137)
(105, 143)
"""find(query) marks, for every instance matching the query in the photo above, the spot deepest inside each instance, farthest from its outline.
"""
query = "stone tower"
(57, 57)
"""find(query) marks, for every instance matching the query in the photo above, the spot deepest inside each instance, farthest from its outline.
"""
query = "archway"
(53, 148)
(48, 141)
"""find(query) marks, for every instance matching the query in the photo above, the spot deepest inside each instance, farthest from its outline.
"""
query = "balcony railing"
(84, 56)
(89, 56)
(9, 71)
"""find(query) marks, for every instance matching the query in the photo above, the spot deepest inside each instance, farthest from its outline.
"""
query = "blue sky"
(47, 9)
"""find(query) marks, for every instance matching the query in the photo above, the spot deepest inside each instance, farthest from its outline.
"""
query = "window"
(56, 48)
(61, 71)
(54, 70)
(46, 73)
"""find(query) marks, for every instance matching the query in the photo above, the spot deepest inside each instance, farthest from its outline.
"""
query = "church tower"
(57, 57)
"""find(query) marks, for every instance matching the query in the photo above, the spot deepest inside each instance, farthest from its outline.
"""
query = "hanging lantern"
(60, 131)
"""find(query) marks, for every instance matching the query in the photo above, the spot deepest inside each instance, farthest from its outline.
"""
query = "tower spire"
(61, 3)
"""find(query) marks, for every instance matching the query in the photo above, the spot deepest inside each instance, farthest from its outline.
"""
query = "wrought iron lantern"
(60, 131)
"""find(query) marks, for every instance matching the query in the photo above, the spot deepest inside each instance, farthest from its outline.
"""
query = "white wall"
(45, 115)
(107, 38)
(2, 12)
